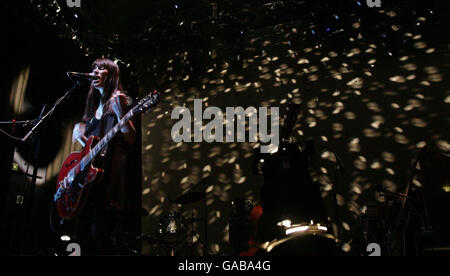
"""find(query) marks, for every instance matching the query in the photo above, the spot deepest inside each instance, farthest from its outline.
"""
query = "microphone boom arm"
(42, 119)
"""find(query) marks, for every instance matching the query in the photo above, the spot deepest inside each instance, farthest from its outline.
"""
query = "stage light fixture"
(65, 238)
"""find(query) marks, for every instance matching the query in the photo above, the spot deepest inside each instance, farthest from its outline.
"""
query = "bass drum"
(171, 229)
(303, 240)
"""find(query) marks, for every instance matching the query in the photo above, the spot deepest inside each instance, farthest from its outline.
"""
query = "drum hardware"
(376, 223)
(339, 169)
(302, 228)
(171, 228)
(240, 232)
(241, 207)
(148, 238)
(422, 224)
(124, 242)
(142, 212)
(170, 232)
(417, 221)
(192, 197)
(289, 188)
(192, 220)
(302, 239)
(191, 235)
(173, 233)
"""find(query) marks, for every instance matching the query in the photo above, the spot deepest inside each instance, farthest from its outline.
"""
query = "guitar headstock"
(147, 102)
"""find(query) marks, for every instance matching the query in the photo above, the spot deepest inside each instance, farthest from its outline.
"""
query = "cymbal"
(143, 212)
(192, 220)
(138, 211)
(190, 197)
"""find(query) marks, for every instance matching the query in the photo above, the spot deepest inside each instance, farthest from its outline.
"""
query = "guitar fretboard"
(87, 159)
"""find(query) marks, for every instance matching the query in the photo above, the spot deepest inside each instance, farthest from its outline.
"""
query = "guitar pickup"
(68, 165)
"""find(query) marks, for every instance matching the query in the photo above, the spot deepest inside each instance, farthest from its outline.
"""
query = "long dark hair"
(112, 83)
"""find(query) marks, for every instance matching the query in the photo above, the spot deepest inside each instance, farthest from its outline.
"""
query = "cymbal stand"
(206, 249)
(339, 169)
(205, 223)
(204, 243)
(190, 235)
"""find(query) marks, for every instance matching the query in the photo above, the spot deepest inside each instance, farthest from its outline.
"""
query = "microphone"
(83, 75)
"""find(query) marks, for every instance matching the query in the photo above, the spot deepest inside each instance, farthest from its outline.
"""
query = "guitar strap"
(98, 128)
(109, 121)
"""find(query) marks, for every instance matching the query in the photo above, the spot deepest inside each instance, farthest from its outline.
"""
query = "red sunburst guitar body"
(74, 198)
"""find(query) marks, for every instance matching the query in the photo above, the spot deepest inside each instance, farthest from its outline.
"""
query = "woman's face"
(100, 72)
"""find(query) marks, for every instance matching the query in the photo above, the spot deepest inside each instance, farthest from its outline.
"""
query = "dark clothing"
(113, 160)
(103, 217)
(289, 191)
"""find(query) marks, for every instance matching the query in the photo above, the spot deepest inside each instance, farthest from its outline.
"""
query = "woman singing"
(105, 212)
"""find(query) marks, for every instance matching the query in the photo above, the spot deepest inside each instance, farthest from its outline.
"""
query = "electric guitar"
(78, 175)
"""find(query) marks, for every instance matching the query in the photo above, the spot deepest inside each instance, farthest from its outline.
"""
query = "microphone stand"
(13, 222)
(28, 208)
(34, 154)
(22, 123)
(42, 120)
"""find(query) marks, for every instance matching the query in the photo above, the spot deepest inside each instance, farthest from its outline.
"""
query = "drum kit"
(250, 235)
(291, 219)
(311, 239)
(279, 226)
(174, 234)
